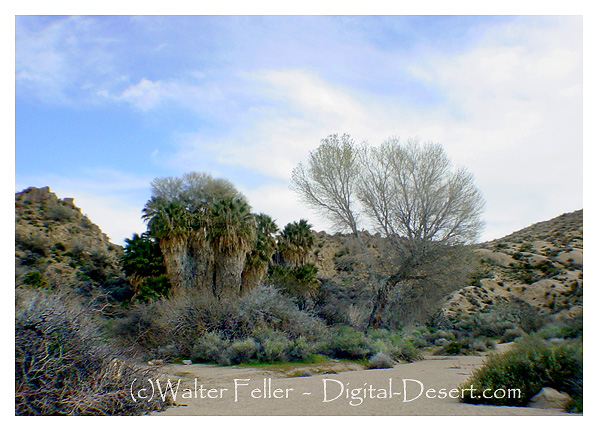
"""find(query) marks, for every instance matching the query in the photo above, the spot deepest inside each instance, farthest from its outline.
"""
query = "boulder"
(549, 398)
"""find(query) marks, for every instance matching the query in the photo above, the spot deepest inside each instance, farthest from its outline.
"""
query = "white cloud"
(511, 112)
(279, 202)
(518, 117)
(55, 58)
(146, 94)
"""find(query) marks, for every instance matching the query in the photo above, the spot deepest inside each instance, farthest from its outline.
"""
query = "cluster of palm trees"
(295, 242)
(211, 241)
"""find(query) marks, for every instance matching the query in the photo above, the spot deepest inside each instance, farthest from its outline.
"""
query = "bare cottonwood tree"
(329, 181)
(426, 208)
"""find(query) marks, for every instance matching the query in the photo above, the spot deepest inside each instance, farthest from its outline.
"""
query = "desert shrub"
(565, 329)
(153, 288)
(405, 351)
(168, 352)
(342, 303)
(417, 336)
(348, 343)
(32, 242)
(500, 317)
(273, 345)
(478, 345)
(527, 247)
(241, 351)
(141, 328)
(209, 348)
(453, 348)
(531, 365)
(393, 344)
(61, 213)
(548, 268)
(36, 280)
(62, 367)
(511, 335)
(191, 323)
(380, 361)
(274, 350)
(300, 349)
(492, 325)
(482, 272)
(267, 307)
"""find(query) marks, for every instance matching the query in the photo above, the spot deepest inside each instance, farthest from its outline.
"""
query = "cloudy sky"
(104, 104)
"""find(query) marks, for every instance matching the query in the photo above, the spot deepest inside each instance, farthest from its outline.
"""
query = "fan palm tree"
(231, 233)
(260, 256)
(142, 258)
(295, 243)
(170, 223)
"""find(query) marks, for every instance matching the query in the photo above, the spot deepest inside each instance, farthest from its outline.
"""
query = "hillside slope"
(56, 246)
(541, 265)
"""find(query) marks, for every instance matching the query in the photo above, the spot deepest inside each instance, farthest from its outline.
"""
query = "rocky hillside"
(541, 265)
(536, 271)
(56, 246)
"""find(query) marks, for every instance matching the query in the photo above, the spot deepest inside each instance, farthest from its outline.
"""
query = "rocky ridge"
(56, 246)
(541, 265)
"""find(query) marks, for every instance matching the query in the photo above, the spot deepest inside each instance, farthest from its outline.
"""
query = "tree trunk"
(201, 264)
(380, 302)
(251, 278)
(227, 274)
(174, 250)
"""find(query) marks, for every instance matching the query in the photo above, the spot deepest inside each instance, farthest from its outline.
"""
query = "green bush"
(454, 348)
(153, 288)
(565, 329)
(36, 280)
(347, 343)
(531, 365)
(548, 268)
(209, 348)
(61, 213)
(511, 335)
(300, 349)
(394, 345)
(241, 351)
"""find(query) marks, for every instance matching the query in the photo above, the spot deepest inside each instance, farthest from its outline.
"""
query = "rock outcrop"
(541, 265)
(56, 246)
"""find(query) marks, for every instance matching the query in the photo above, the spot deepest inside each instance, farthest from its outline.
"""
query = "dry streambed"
(331, 388)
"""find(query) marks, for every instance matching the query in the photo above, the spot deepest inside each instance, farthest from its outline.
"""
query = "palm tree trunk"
(201, 264)
(252, 277)
(174, 251)
(227, 274)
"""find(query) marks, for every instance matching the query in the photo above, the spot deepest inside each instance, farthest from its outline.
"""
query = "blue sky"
(104, 104)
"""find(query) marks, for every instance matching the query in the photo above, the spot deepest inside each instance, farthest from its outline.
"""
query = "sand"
(421, 388)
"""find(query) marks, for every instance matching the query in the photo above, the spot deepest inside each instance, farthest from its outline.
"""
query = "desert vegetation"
(213, 282)
(64, 367)
(535, 362)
